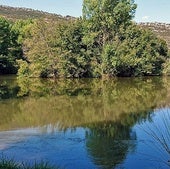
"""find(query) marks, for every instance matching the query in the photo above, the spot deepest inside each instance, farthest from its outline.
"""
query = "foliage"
(74, 60)
(22, 27)
(55, 49)
(10, 49)
(104, 42)
(166, 69)
(162, 30)
(104, 18)
(136, 52)
(40, 50)
(24, 70)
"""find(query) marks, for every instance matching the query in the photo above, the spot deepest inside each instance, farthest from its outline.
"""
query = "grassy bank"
(6, 163)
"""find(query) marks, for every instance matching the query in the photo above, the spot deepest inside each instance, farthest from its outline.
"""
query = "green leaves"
(138, 53)
(10, 49)
(104, 42)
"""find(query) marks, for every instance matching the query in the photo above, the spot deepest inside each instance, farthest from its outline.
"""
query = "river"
(119, 123)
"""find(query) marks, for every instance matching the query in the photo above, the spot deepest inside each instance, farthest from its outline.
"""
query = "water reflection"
(118, 138)
(106, 110)
(157, 133)
(72, 103)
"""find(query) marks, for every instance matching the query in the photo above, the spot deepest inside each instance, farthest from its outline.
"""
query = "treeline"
(103, 42)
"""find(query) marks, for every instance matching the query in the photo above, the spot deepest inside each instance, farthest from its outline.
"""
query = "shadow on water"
(107, 110)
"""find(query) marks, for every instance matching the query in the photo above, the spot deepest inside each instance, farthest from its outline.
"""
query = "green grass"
(6, 163)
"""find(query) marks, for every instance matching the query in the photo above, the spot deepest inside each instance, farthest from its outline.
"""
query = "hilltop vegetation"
(13, 13)
(104, 42)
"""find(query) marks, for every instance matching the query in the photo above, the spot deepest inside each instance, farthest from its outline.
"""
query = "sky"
(147, 11)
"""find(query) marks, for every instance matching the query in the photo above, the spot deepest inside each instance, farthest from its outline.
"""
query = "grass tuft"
(6, 163)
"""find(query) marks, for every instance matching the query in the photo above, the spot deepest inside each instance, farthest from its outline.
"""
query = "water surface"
(87, 123)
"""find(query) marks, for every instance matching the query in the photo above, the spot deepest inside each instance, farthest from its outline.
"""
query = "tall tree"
(103, 20)
(40, 50)
(104, 17)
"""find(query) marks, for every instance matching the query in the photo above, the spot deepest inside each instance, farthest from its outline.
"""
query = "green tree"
(40, 50)
(104, 42)
(137, 52)
(74, 60)
(10, 49)
(23, 27)
(102, 20)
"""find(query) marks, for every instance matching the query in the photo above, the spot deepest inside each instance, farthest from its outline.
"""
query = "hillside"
(14, 13)
(161, 29)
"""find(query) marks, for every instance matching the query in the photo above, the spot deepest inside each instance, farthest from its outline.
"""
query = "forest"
(103, 42)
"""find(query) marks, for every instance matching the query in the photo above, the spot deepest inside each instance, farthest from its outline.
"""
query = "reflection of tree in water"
(107, 108)
(106, 148)
(7, 91)
(108, 143)
(71, 102)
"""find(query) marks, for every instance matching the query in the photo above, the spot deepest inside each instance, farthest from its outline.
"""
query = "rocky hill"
(161, 29)
(14, 13)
